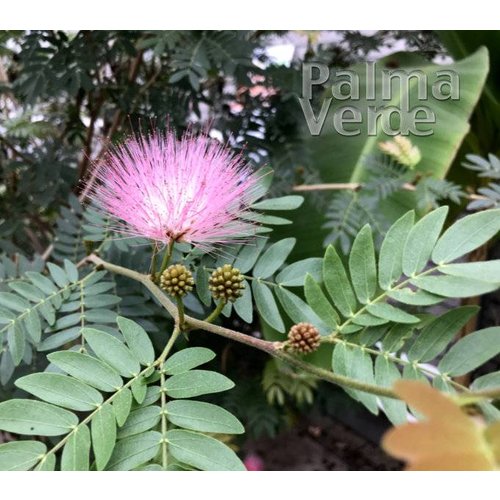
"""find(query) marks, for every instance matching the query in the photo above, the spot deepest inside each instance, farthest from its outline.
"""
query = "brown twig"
(274, 349)
(87, 149)
(356, 186)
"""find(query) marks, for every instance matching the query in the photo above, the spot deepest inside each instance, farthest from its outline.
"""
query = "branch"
(272, 348)
(356, 186)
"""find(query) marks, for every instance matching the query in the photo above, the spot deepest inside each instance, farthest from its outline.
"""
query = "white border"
(254, 14)
(249, 486)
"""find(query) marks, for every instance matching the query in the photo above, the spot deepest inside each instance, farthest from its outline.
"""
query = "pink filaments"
(194, 190)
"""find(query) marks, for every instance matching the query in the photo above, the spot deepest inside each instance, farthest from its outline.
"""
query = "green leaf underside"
(88, 369)
(266, 305)
(33, 418)
(337, 284)
(134, 451)
(202, 452)
(362, 265)
(434, 338)
(187, 359)
(137, 340)
(466, 235)
(75, 455)
(103, 429)
(421, 240)
(122, 404)
(61, 390)
(140, 420)
(355, 363)
(20, 455)
(390, 266)
(319, 303)
(204, 417)
(471, 351)
(196, 383)
(112, 352)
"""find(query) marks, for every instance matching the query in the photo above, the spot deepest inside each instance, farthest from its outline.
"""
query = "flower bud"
(177, 280)
(226, 283)
(402, 150)
(303, 338)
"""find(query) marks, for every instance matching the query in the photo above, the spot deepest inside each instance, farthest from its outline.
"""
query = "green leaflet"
(298, 310)
(337, 284)
(61, 390)
(273, 258)
(266, 305)
(391, 313)
(202, 452)
(20, 455)
(290, 202)
(140, 420)
(466, 235)
(248, 255)
(122, 403)
(362, 265)
(319, 303)
(488, 271)
(434, 338)
(134, 451)
(471, 351)
(421, 240)
(187, 359)
(293, 274)
(244, 306)
(103, 430)
(453, 286)
(34, 418)
(196, 383)
(137, 340)
(112, 351)
(390, 266)
(204, 417)
(75, 455)
(414, 297)
(355, 363)
(386, 374)
(87, 369)
(16, 340)
(488, 381)
(139, 389)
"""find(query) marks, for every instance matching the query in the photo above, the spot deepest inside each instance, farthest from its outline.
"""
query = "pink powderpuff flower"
(193, 190)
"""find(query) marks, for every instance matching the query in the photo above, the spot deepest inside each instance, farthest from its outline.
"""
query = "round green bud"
(177, 280)
(226, 283)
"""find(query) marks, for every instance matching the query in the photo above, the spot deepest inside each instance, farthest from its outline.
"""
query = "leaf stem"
(167, 256)
(164, 423)
(215, 313)
(399, 361)
(383, 295)
(152, 270)
(180, 312)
